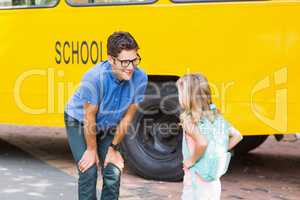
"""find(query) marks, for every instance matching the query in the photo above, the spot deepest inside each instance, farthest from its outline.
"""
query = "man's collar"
(112, 75)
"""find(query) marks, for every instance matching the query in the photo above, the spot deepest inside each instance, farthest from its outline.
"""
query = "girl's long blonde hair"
(195, 98)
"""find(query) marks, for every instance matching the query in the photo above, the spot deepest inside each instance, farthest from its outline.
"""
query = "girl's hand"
(235, 137)
(187, 164)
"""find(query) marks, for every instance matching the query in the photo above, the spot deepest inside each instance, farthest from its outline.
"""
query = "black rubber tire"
(249, 143)
(143, 158)
(140, 157)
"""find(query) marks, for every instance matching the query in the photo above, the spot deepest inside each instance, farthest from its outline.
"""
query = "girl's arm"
(198, 146)
(234, 137)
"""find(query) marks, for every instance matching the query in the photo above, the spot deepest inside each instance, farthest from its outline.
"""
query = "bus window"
(26, 3)
(108, 2)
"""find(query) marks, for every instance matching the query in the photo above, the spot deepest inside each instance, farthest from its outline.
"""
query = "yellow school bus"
(249, 50)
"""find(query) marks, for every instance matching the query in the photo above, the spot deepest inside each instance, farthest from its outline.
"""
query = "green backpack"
(215, 160)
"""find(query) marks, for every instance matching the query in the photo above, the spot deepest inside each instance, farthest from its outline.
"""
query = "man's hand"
(115, 158)
(89, 158)
(112, 155)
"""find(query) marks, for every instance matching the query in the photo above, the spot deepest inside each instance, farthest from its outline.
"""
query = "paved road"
(35, 163)
(25, 177)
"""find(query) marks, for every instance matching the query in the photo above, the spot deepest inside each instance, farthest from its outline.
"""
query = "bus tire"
(148, 153)
(249, 143)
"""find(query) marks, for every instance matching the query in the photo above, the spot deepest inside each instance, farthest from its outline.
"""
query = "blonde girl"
(206, 140)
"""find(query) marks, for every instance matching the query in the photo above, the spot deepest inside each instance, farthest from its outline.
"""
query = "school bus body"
(248, 50)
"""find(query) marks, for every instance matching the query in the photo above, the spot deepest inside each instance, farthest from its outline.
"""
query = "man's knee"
(111, 175)
(89, 175)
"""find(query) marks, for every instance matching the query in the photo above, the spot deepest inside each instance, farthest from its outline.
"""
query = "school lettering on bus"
(78, 52)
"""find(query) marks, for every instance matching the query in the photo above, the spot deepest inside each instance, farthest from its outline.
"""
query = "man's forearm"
(125, 123)
(121, 130)
(90, 126)
(90, 136)
(90, 131)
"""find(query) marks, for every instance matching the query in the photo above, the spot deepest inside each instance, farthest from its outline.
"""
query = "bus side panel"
(247, 51)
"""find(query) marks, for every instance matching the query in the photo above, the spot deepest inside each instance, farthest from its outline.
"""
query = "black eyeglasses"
(125, 63)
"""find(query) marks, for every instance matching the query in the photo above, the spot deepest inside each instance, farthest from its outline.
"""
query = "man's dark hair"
(119, 41)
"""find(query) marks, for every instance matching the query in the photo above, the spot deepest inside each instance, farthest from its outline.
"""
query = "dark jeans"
(88, 180)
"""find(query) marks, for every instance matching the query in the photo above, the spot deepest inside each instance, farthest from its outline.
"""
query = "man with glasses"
(99, 114)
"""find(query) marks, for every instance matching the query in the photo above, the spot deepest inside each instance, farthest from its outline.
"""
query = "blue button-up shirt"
(99, 86)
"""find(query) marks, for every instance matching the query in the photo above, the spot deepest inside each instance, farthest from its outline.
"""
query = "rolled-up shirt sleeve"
(90, 90)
